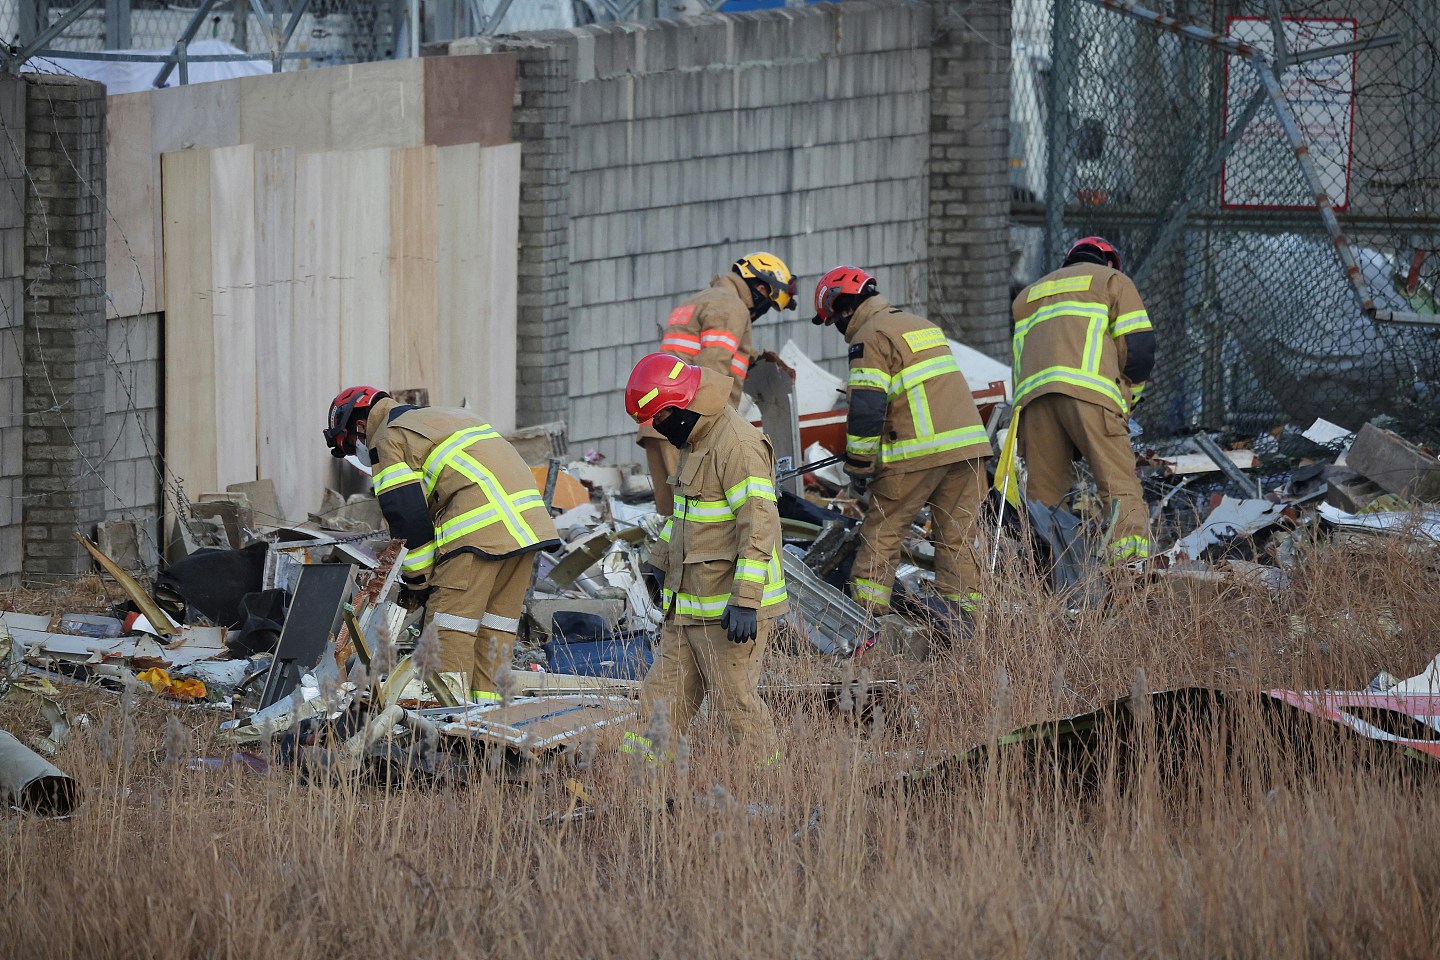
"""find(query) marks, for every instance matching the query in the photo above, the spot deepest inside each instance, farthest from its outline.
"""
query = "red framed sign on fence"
(1261, 172)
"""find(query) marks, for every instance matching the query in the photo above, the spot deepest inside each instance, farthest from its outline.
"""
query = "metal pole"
(414, 28)
(48, 34)
(184, 60)
(300, 9)
(1312, 177)
(1197, 189)
(1188, 30)
(117, 24)
(240, 24)
(190, 29)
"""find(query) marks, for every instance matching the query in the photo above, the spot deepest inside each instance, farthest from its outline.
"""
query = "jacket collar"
(863, 315)
(377, 420)
(736, 283)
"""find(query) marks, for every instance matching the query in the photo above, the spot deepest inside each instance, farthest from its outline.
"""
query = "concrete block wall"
(655, 154)
(64, 321)
(133, 394)
(12, 326)
(969, 232)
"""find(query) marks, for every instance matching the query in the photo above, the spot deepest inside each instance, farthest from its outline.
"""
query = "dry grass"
(1337, 860)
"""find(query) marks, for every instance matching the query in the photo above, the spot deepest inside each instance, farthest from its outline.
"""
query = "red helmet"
(350, 403)
(1102, 246)
(840, 280)
(657, 382)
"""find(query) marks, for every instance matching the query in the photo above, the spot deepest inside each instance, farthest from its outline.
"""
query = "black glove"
(413, 598)
(859, 484)
(654, 580)
(739, 624)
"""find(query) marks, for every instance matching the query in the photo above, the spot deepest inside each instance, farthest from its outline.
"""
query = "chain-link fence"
(1117, 127)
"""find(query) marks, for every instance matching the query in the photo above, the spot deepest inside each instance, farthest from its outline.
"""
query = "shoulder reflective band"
(439, 458)
(926, 339)
(1050, 288)
(395, 475)
(1132, 322)
(917, 373)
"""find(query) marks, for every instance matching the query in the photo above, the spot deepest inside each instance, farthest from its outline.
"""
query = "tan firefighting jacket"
(910, 407)
(723, 543)
(448, 483)
(1070, 327)
(712, 330)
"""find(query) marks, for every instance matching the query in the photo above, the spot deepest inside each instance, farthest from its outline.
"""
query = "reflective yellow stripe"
(927, 339)
(870, 378)
(654, 392)
(1130, 548)
(758, 487)
(1136, 390)
(862, 446)
(753, 571)
(1094, 344)
(966, 601)
(484, 696)
(454, 529)
(419, 559)
(459, 440)
(1065, 308)
(395, 475)
(920, 412)
(706, 607)
(871, 591)
(665, 530)
(917, 373)
(703, 511)
(509, 504)
(935, 443)
(1064, 285)
(1132, 322)
(638, 745)
(1072, 376)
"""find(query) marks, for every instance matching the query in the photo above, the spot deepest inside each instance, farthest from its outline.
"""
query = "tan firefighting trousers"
(954, 492)
(663, 457)
(696, 659)
(476, 606)
(1053, 429)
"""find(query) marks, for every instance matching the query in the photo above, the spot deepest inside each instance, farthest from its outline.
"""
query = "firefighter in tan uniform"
(466, 506)
(913, 437)
(719, 555)
(1084, 348)
(712, 330)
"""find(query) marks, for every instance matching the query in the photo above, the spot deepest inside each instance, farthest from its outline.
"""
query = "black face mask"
(677, 426)
(842, 322)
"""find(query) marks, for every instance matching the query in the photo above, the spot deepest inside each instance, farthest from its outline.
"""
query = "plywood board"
(479, 191)
(189, 332)
(232, 267)
(308, 352)
(280, 433)
(361, 219)
(469, 99)
(197, 115)
(132, 228)
(288, 109)
(414, 304)
(378, 105)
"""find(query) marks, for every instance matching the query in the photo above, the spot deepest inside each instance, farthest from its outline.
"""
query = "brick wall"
(65, 339)
(969, 231)
(12, 327)
(132, 417)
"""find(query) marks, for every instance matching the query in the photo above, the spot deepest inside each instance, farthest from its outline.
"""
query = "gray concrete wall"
(12, 328)
(64, 321)
(804, 132)
(133, 383)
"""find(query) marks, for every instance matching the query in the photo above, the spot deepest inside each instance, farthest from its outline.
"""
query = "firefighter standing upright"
(712, 330)
(718, 555)
(913, 437)
(1084, 348)
(466, 506)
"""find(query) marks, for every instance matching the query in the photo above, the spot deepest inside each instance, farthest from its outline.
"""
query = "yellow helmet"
(771, 271)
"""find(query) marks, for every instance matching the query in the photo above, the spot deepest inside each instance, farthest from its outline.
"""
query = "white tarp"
(817, 390)
(133, 77)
